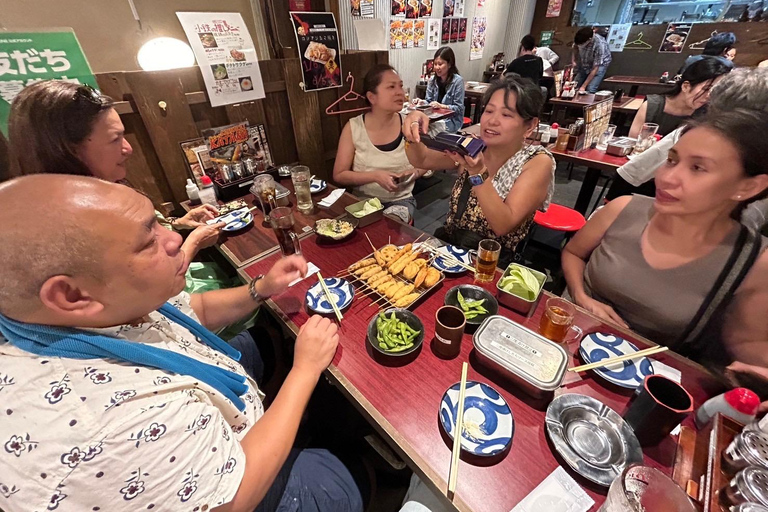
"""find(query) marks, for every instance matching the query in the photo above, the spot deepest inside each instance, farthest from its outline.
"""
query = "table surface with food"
(387, 363)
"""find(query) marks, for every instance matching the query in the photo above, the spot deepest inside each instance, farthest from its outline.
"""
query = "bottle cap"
(555, 126)
(206, 180)
(743, 400)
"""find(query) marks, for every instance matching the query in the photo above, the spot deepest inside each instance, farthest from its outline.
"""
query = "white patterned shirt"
(96, 434)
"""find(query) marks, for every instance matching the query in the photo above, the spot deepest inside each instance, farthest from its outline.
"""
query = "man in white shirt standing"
(549, 57)
(114, 396)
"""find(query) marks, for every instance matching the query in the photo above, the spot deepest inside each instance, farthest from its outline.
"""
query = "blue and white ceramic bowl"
(237, 220)
(447, 265)
(316, 186)
(488, 421)
(627, 374)
(342, 292)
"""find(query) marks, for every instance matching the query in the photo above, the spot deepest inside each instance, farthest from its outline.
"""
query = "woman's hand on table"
(283, 272)
(437, 104)
(196, 217)
(315, 345)
(386, 180)
(601, 310)
(414, 125)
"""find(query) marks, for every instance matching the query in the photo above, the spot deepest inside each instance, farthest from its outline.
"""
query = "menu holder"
(698, 458)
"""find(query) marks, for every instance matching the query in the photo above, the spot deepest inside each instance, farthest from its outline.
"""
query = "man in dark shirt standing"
(592, 59)
(528, 64)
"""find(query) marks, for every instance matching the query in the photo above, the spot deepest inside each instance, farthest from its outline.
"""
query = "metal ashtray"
(591, 437)
(620, 146)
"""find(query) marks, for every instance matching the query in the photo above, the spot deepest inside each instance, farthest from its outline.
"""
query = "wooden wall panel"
(305, 116)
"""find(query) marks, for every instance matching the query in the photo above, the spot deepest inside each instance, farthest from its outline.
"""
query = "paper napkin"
(332, 198)
(556, 492)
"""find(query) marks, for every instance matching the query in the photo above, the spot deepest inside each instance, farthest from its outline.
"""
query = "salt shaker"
(749, 448)
(749, 486)
(748, 507)
(739, 404)
(759, 425)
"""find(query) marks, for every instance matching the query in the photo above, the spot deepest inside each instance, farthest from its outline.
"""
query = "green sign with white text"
(29, 57)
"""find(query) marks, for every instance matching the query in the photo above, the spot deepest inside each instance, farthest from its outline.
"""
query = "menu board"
(458, 8)
(318, 41)
(617, 36)
(477, 45)
(28, 57)
(226, 56)
(362, 8)
(675, 37)
(546, 37)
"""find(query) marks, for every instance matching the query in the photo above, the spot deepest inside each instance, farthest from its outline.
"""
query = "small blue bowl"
(342, 291)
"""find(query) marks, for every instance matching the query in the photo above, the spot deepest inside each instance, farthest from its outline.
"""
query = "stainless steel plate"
(592, 438)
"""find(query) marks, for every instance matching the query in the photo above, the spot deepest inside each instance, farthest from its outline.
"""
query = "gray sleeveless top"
(657, 304)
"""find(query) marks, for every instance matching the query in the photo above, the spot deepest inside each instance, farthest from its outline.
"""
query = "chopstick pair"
(330, 297)
(607, 362)
(451, 259)
(457, 434)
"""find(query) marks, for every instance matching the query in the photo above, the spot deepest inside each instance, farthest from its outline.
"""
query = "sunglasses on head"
(89, 94)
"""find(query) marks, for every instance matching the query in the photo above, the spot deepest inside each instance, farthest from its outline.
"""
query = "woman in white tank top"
(371, 154)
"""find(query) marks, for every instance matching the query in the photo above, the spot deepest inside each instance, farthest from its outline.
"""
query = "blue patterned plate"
(447, 265)
(627, 374)
(316, 186)
(488, 421)
(237, 220)
(342, 291)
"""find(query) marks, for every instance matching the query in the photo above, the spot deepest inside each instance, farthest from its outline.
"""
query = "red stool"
(467, 122)
(560, 218)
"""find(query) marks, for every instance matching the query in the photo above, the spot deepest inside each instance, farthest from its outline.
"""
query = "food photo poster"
(318, 41)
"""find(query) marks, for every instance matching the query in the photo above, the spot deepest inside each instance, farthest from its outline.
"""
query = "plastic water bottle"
(207, 194)
(193, 193)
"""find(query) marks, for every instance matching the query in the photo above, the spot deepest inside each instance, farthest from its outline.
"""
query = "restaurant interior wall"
(107, 30)
(508, 21)
(644, 59)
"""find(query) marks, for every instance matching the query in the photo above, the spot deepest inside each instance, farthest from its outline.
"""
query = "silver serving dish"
(530, 360)
(620, 146)
(591, 437)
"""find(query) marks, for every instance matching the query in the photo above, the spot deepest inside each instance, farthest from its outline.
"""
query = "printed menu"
(318, 41)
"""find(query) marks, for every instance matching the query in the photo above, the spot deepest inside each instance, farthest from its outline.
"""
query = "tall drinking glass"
(605, 137)
(488, 252)
(640, 488)
(264, 189)
(645, 137)
(282, 222)
(300, 177)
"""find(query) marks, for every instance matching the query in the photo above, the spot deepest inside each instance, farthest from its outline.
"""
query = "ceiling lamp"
(165, 53)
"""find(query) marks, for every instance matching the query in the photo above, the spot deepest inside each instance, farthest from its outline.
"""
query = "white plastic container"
(207, 194)
(193, 193)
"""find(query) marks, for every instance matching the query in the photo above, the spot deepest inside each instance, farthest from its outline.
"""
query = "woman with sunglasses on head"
(65, 128)
(496, 194)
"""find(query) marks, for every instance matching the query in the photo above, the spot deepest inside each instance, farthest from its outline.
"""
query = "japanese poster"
(425, 8)
(553, 8)
(362, 8)
(446, 34)
(225, 54)
(617, 36)
(447, 8)
(675, 37)
(477, 45)
(318, 41)
(418, 34)
(398, 8)
(412, 9)
(546, 37)
(458, 8)
(396, 36)
(408, 34)
(454, 30)
(298, 5)
(462, 29)
(28, 57)
(433, 34)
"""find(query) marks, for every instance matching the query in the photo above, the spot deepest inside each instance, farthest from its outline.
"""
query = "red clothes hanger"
(350, 95)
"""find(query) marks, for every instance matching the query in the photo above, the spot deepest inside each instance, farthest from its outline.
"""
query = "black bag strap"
(466, 190)
(742, 258)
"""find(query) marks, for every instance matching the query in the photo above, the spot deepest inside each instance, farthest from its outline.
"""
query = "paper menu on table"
(667, 371)
(558, 492)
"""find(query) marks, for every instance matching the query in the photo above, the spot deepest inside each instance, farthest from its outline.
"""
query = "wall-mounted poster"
(618, 36)
(675, 37)
(425, 8)
(462, 29)
(408, 34)
(446, 34)
(454, 30)
(396, 34)
(433, 34)
(32, 56)
(546, 38)
(447, 8)
(362, 8)
(298, 5)
(553, 8)
(458, 8)
(318, 42)
(418, 34)
(226, 56)
(480, 3)
(398, 8)
(477, 45)
(412, 9)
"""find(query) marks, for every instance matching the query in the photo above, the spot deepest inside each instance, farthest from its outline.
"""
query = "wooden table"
(635, 82)
(402, 400)
(258, 240)
(473, 98)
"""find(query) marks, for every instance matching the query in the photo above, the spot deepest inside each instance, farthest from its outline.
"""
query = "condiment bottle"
(739, 404)
(664, 77)
(207, 193)
(193, 193)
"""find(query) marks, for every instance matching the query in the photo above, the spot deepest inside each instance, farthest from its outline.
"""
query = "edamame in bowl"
(395, 332)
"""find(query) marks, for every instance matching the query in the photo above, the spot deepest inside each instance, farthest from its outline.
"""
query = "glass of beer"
(487, 259)
(264, 189)
(557, 320)
(300, 177)
(281, 220)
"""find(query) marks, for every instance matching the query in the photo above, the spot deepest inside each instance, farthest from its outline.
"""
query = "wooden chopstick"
(618, 359)
(369, 241)
(330, 296)
(450, 258)
(457, 433)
